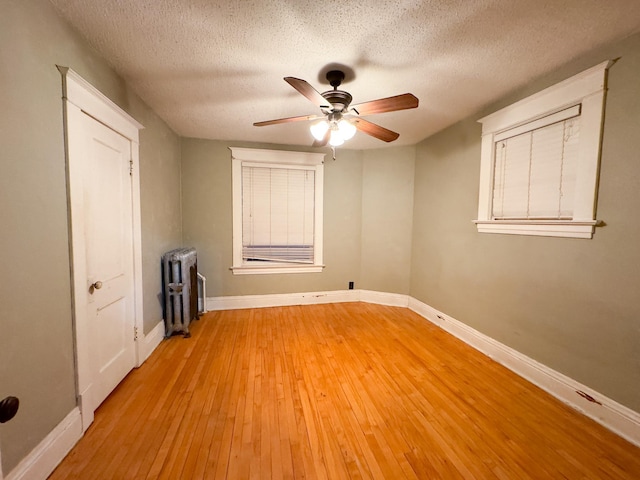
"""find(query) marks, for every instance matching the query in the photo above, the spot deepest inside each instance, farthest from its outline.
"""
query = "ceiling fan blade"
(389, 104)
(375, 130)
(308, 91)
(286, 120)
(324, 141)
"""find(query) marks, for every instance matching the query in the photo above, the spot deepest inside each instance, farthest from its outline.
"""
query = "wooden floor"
(336, 391)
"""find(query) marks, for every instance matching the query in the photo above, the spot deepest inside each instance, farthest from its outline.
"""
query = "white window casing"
(542, 151)
(277, 211)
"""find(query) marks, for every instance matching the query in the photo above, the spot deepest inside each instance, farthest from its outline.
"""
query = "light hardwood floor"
(336, 391)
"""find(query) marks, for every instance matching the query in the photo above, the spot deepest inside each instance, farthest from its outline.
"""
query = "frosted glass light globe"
(336, 138)
(319, 129)
(347, 129)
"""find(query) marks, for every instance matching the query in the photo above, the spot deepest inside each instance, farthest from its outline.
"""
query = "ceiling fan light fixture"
(334, 104)
(319, 129)
(347, 129)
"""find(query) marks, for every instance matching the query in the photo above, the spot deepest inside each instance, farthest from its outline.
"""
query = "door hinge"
(135, 334)
(131, 167)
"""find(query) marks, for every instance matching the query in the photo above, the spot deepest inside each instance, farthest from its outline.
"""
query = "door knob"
(8, 408)
(95, 286)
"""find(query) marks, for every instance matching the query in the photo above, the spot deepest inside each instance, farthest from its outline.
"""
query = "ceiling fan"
(340, 120)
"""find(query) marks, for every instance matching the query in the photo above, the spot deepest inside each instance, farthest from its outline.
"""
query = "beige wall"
(387, 218)
(160, 206)
(571, 304)
(36, 344)
(207, 222)
(368, 200)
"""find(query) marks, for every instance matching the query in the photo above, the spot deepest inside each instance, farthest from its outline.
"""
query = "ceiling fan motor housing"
(338, 98)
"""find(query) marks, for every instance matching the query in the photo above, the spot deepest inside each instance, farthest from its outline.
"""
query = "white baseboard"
(382, 298)
(43, 459)
(150, 342)
(607, 412)
(310, 298)
(281, 300)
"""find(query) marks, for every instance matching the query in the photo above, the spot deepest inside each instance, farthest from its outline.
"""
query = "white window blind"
(535, 168)
(278, 215)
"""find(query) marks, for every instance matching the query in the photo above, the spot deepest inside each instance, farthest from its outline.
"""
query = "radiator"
(180, 287)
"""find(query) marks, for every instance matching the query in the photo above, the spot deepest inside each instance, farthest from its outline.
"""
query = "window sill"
(542, 228)
(275, 269)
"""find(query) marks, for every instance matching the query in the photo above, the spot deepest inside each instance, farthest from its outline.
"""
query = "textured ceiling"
(211, 68)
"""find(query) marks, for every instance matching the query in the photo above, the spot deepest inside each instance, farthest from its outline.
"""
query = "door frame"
(81, 98)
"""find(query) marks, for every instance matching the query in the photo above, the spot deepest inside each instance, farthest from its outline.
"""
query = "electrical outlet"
(350, 285)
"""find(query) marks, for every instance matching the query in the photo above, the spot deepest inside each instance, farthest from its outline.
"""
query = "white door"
(108, 230)
(106, 240)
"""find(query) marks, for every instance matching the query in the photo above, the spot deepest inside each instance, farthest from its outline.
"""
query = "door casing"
(81, 98)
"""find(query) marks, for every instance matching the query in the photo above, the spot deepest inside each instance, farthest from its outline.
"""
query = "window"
(539, 160)
(277, 211)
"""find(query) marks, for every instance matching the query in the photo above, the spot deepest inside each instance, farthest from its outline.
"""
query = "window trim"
(275, 158)
(587, 89)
